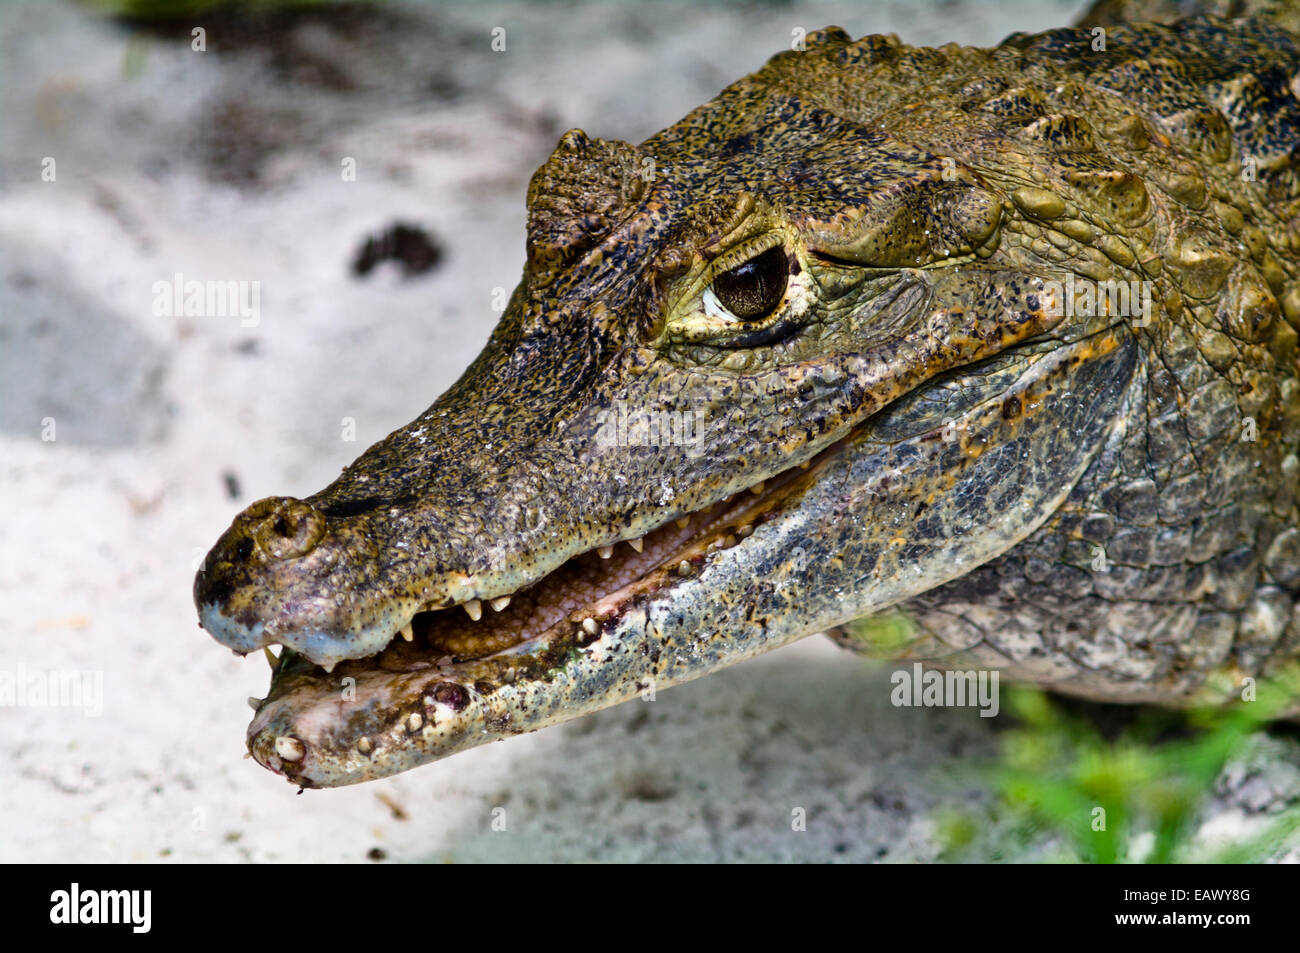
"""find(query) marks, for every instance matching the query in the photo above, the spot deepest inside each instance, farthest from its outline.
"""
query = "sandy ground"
(225, 165)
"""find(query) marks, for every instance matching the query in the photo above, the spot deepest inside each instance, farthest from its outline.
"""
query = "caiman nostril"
(285, 528)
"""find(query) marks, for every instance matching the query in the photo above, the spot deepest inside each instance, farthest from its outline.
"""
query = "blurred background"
(363, 167)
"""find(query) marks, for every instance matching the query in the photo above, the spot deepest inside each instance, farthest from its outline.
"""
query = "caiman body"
(822, 351)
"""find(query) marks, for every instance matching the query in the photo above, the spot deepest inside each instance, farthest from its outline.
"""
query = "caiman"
(997, 345)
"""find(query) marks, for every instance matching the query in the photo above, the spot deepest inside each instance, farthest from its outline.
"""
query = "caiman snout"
(283, 527)
(282, 573)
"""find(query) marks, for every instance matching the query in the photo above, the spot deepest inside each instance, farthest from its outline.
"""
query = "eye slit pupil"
(752, 289)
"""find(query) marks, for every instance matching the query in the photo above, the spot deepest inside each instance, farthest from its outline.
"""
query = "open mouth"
(438, 685)
(576, 601)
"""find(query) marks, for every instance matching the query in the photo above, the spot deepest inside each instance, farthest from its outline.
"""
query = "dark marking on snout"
(451, 695)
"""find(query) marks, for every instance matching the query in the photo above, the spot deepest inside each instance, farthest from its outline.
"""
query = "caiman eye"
(751, 290)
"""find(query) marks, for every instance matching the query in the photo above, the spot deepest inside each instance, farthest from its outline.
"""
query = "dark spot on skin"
(773, 335)
(376, 853)
(484, 687)
(409, 245)
(366, 504)
(451, 695)
(220, 590)
(1010, 408)
(243, 549)
(737, 145)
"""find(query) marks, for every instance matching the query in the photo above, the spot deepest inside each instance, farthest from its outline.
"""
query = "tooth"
(364, 745)
(683, 568)
(289, 748)
(684, 522)
(744, 531)
(329, 669)
(271, 658)
(408, 632)
(500, 602)
(638, 544)
(475, 609)
(605, 552)
(757, 488)
(805, 465)
(590, 626)
(415, 722)
(254, 702)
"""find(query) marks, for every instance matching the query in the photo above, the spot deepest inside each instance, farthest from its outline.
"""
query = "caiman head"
(777, 368)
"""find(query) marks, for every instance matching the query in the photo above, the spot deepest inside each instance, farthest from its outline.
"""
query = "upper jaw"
(330, 637)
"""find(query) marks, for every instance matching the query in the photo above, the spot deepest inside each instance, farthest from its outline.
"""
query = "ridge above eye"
(754, 288)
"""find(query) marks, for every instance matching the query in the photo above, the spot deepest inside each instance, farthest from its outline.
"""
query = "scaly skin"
(1101, 503)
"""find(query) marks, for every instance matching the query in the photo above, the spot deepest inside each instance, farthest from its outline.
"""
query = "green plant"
(1134, 797)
